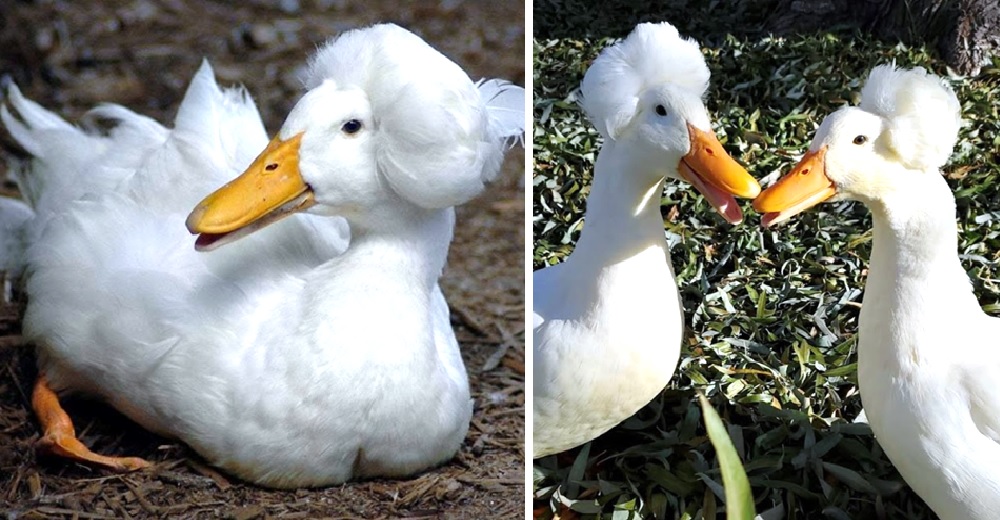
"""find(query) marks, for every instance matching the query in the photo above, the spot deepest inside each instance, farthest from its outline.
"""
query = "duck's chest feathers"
(628, 321)
(356, 314)
(636, 295)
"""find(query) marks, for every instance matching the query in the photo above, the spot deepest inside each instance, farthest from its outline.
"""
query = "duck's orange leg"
(59, 437)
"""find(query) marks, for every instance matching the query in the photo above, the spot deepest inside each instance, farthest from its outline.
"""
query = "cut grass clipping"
(739, 500)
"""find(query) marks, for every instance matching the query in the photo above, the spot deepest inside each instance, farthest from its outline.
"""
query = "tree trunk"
(974, 37)
(967, 32)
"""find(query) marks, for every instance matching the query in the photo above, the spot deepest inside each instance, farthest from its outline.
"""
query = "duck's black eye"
(860, 139)
(351, 127)
(661, 110)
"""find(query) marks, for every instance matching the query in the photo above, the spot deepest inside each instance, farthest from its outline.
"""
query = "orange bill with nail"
(270, 189)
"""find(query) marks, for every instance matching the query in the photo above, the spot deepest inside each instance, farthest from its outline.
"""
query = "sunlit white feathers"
(653, 54)
(921, 112)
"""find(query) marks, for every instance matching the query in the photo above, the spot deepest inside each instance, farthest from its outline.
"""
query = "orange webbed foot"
(59, 436)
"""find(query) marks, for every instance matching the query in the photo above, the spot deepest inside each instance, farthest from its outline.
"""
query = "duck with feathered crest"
(608, 321)
(934, 411)
(309, 342)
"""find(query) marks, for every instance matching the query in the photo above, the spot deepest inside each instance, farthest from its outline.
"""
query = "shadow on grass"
(709, 22)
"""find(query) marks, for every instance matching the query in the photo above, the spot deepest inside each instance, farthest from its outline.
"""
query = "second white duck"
(928, 357)
(608, 322)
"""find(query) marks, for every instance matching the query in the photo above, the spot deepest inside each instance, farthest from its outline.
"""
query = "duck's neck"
(377, 300)
(623, 210)
(402, 241)
(915, 278)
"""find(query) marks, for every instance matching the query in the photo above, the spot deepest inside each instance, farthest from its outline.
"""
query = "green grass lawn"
(771, 314)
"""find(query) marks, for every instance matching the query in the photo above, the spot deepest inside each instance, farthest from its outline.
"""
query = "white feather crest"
(922, 113)
(438, 146)
(505, 108)
(653, 54)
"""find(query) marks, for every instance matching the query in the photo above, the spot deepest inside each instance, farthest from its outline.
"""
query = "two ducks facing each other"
(608, 321)
(318, 347)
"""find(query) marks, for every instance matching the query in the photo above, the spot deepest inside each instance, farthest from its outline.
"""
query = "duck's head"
(906, 126)
(387, 120)
(646, 94)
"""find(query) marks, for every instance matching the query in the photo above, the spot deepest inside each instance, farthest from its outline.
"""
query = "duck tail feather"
(34, 120)
(226, 120)
(14, 218)
(44, 146)
(117, 122)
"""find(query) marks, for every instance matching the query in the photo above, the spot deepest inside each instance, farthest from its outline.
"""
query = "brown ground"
(69, 55)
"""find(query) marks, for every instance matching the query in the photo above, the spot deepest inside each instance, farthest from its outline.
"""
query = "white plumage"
(608, 321)
(652, 56)
(504, 108)
(435, 158)
(312, 351)
(934, 409)
(923, 119)
(14, 215)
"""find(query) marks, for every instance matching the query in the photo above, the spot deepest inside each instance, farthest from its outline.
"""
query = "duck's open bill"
(805, 186)
(716, 175)
(269, 190)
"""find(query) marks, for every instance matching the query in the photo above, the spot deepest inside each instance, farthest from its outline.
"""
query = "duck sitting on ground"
(309, 352)
(936, 414)
(608, 321)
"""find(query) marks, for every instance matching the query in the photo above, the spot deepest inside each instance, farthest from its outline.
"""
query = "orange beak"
(805, 186)
(716, 175)
(270, 189)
